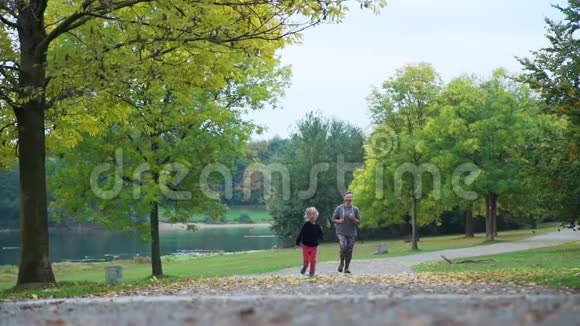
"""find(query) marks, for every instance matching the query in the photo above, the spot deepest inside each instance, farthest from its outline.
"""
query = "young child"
(308, 239)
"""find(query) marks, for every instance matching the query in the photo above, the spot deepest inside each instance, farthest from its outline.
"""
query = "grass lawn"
(258, 214)
(74, 276)
(557, 266)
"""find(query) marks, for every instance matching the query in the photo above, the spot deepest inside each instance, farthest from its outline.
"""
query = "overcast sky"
(336, 66)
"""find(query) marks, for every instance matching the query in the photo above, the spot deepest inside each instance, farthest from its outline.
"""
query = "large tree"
(485, 124)
(550, 174)
(554, 71)
(395, 180)
(171, 138)
(40, 67)
(440, 136)
(319, 161)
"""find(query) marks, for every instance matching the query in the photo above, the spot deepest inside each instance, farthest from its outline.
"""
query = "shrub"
(245, 218)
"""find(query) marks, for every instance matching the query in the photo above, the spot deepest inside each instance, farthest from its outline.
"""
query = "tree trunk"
(494, 215)
(35, 265)
(156, 268)
(469, 223)
(414, 223)
(488, 217)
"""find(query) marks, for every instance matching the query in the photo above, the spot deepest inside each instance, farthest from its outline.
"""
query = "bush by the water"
(245, 218)
(219, 220)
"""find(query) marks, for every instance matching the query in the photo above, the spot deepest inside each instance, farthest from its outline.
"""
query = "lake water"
(99, 245)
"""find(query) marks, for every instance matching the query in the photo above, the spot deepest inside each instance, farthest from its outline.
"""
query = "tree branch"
(14, 67)
(9, 101)
(137, 147)
(11, 11)
(12, 124)
(11, 79)
(476, 261)
(81, 17)
(8, 22)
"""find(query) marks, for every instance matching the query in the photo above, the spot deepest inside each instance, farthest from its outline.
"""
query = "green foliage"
(91, 48)
(63, 63)
(9, 199)
(170, 130)
(552, 172)
(493, 129)
(258, 152)
(486, 124)
(404, 101)
(397, 174)
(245, 218)
(319, 160)
(258, 214)
(554, 72)
(174, 136)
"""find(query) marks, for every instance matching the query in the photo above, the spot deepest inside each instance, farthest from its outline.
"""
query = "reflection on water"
(98, 245)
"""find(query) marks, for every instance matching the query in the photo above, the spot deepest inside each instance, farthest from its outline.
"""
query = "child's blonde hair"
(310, 209)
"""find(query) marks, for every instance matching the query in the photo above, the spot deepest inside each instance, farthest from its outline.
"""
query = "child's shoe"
(312, 275)
(303, 270)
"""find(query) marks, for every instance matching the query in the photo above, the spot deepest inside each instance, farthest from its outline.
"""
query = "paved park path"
(397, 265)
(376, 294)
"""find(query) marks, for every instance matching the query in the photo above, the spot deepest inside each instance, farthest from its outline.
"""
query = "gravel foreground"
(408, 299)
(328, 310)
(341, 284)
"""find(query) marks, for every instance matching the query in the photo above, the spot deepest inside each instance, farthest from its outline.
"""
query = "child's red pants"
(309, 255)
